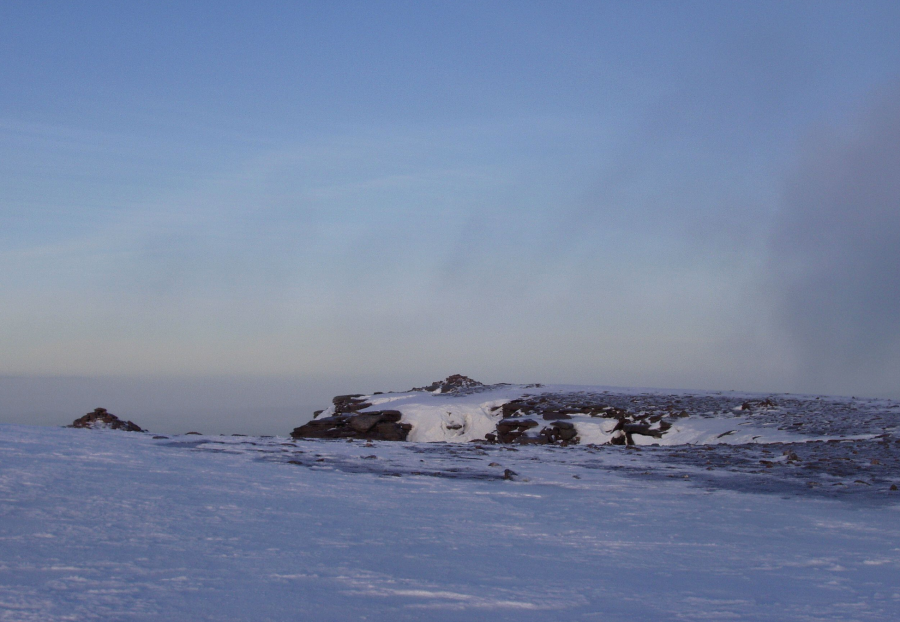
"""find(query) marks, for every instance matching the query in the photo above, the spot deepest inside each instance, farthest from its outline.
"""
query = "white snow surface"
(108, 525)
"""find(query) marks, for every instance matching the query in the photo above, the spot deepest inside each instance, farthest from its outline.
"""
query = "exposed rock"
(388, 431)
(510, 430)
(451, 384)
(377, 425)
(393, 416)
(101, 419)
(349, 403)
(619, 438)
(559, 407)
(757, 404)
(527, 419)
(364, 423)
(641, 428)
(550, 416)
(564, 430)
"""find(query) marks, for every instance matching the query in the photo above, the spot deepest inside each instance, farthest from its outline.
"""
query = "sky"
(227, 207)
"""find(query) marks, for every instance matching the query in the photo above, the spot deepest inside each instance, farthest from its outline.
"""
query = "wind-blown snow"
(103, 525)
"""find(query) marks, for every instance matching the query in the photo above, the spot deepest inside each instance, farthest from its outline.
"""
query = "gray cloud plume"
(836, 254)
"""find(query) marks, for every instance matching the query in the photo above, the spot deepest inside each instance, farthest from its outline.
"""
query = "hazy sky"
(689, 194)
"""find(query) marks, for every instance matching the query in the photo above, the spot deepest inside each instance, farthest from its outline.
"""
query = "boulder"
(388, 431)
(364, 422)
(378, 425)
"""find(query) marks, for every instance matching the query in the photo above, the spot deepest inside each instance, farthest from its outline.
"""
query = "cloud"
(835, 253)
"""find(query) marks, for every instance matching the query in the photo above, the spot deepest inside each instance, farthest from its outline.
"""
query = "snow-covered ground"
(108, 525)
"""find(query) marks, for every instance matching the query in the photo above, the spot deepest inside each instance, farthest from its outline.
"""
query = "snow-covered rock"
(100, 419)
(451, 384)
(460, 409)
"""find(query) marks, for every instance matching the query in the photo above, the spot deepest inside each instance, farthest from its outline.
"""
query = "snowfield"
(111, 525)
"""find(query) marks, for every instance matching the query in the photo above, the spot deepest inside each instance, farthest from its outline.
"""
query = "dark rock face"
(376, 425)
(452, 384)
(349, 403)
(560, 406)
(348, 422)
(101, 419)
(510, 430)
(515, 430)
(364, 423)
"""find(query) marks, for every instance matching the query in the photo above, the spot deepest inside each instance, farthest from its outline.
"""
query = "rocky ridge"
(460, 409)
(456, 383)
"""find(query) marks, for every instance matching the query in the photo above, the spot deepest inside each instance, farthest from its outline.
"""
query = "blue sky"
(620, 193)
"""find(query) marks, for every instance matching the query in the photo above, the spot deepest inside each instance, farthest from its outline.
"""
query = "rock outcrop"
(100, 419)
(451, 384)
(518, 424)
(538, 418)
(348, 422)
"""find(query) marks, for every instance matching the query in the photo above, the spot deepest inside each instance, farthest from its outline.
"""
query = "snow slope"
(105, 525)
